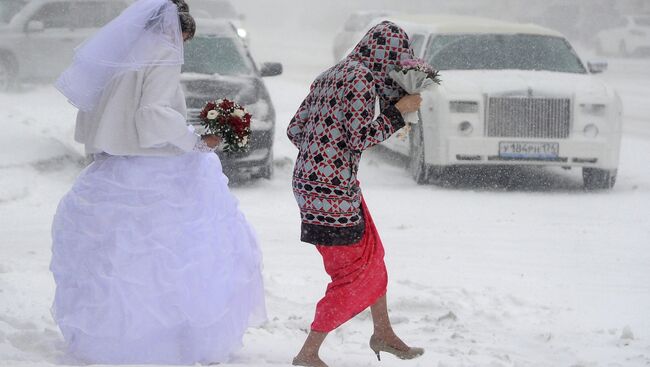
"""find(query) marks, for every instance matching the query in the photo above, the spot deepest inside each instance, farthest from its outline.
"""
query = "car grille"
(193, 116)
(521, 117)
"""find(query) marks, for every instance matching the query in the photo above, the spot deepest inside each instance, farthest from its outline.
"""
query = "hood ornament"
(530, 92)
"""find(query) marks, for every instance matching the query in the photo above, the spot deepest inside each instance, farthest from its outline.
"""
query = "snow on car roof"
(454, 24)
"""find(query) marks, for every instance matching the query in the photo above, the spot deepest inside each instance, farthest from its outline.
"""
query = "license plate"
(529, 150)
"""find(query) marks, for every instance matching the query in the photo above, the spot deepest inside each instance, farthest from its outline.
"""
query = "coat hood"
(381, 49)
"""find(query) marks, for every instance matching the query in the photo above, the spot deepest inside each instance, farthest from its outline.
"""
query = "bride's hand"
(211, 140)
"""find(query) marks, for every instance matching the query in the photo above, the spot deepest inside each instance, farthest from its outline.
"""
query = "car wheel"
(438, 174)
(417, 165)
(598, 179)
(267, 171)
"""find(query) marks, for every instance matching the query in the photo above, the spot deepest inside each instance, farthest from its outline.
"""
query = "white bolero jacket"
(141, 113)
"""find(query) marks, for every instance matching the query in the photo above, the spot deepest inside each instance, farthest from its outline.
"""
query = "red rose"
(227, 104)
(238, 125)
(233, 122)
(241, 129)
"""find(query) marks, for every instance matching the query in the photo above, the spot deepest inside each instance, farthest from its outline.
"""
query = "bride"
(153, 261)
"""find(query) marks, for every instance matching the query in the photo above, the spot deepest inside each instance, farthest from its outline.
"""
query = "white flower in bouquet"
(415, 76)
(238, 113)
(213, 114)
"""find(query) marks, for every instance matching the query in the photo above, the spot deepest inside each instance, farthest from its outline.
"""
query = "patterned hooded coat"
(335, 124)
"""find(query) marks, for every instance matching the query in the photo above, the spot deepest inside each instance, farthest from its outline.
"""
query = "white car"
(511, 94)
(38, 37)
(631, 37)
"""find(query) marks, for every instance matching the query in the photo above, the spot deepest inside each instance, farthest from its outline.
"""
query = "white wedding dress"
(154, 263)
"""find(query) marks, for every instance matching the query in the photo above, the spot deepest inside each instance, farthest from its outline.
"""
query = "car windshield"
(642, 21)
(9, 8)
(216, 55)
(498, 52)
(217, 9)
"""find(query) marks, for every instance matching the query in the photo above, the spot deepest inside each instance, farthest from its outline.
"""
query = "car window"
(94, 14)
(216, 55)
(9, 8)
(417, 41)
(498, 52)
(642, 21)
(216, 8)
(87, 14)
(54, 15)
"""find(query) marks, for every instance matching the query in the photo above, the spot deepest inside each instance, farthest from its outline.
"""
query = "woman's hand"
(410, 103)
(211, 140)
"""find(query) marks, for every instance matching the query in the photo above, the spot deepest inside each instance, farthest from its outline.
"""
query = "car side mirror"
(35, 26)
(271, 69)
(597, 67)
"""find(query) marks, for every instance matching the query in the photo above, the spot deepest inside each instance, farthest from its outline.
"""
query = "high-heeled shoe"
(299, 362)
(378, 345)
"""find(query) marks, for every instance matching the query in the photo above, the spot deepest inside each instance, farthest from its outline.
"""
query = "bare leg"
(383, 328)
(308, 355)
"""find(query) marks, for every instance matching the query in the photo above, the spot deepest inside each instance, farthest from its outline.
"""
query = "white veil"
(131, 41)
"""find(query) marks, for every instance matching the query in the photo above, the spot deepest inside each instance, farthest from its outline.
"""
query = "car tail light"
(596, 109)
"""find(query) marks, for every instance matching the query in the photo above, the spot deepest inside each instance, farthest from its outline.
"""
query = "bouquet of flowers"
(228, 120)
(415, 76)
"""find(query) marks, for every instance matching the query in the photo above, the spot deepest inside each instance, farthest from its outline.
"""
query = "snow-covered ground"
(530, 271)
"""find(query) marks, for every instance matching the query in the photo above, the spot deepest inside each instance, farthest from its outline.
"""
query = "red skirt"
(359, 278)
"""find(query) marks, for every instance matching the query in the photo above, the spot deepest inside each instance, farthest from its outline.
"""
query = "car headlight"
(261, 115)
(259, 109)
(463, 106)
(242, 32)
(465, 128)
(596, 109)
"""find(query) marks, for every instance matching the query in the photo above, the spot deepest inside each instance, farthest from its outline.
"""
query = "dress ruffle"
(154, 263)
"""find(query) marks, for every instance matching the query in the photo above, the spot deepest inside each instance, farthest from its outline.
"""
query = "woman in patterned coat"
(332, 127)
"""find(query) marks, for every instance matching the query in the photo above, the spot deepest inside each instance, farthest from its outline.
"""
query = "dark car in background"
(218, 65)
